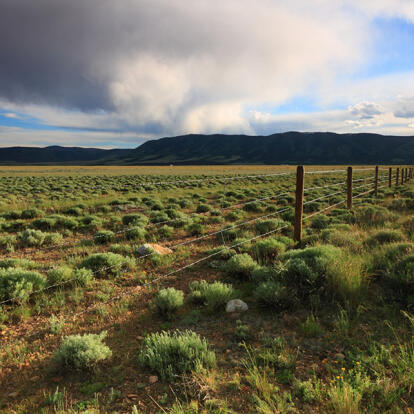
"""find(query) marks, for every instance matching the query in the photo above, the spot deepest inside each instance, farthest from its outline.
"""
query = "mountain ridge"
(282, 148)
(197, 149)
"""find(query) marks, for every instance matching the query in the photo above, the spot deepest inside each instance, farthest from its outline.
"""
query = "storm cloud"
(165, 67)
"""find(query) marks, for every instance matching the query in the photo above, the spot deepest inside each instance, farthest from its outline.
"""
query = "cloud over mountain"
(163, 67)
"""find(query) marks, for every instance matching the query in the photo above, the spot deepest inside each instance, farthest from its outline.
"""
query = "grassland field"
(91, 324)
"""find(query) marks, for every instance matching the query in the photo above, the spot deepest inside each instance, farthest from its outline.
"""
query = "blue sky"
(257, 67)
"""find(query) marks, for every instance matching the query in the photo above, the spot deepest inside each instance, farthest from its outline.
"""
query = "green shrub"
(266, 274)
(168, 301)
(173, 213)
(312, 207)
(373, 216)
(8, 243)
(213, 295)
(265, 251)
(104, 236)
(134, 220)
(340, 238)
(171, 354)
(240, 266)
(44, 224)
(82, 277)
(58, 275)
(63, 222)
(387, 255)
(203, 208)
(320, 222)
(11, 215)
(253, 207)
(31, 238)
(81, 352)
(166, 231)
(159, 217)
(235, 215)
(22, 263)
(195, 229)
(52, 239)
(88, 223)
(264, 226)
(74, 211)
(385, 236)
(106, 263)
(123, 249)
(136, 234)
(275, 295)
(18, 283)
(399, 279)
(223, 252)
(306, 269)
(31, 213)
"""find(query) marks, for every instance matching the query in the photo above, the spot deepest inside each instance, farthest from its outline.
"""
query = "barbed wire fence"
(401, 176)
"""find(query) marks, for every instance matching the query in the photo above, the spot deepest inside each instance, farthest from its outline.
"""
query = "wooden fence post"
(397, 177)
(389, 177)
(402, 176)
(299, 203)
(349, 188)
(376, 182)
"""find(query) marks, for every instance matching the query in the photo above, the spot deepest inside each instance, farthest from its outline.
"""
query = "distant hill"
(56, 155)
(283, 148)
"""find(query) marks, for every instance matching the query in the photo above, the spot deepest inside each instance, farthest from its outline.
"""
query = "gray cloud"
(163, 65)
(404, 113)
(366, 110)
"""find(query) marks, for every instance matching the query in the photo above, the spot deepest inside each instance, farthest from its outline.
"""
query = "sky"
(115, 73)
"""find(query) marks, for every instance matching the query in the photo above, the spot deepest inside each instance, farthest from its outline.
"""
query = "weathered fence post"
(349, 188)
(397, 177)
(389, 177)
(376, 182)
(299, 203)
(402, 176)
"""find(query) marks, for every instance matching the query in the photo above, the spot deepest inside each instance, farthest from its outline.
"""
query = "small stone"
(228, 351)
(140, 338)
(236, 305)
(149, 248)
(36, 378)
(340, 356)
(153, 379)
(13, 394)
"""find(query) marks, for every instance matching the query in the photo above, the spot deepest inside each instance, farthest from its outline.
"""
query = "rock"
(153, 379)
(236, 305)
(35, 378)
(340, 356)
(13, 394)
(149, 248)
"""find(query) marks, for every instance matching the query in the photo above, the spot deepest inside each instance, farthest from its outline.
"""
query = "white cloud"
(14, 136)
